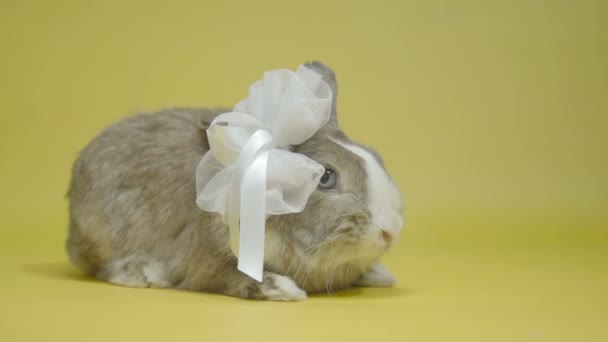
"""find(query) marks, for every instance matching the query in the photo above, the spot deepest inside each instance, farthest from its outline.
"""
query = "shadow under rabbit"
(65, 271)
(58, 270)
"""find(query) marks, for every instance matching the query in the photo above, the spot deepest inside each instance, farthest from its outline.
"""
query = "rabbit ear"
(330, 78)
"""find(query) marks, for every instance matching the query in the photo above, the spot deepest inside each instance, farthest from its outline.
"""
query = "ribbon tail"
(253, 218)
(234, 208)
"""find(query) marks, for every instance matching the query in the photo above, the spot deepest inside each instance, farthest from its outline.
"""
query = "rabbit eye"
(329, 179)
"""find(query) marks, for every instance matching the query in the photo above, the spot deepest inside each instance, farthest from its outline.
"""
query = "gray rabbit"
(134, 220)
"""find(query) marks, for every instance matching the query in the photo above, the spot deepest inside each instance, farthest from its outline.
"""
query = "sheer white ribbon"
(248, 172)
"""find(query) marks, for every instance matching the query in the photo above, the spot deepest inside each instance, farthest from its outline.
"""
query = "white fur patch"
(134, 272)
(128, 279)
(283, 290)
(155, 274)
(384, 199)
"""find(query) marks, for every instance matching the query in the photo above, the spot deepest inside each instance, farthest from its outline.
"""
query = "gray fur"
(134, 220)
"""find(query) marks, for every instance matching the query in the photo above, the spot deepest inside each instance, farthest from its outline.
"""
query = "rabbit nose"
(387, 235)
(390, 225)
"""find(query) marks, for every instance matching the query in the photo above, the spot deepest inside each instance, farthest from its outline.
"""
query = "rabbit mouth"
(370, 240)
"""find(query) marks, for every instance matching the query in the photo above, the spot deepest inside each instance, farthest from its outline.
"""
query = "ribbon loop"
(247, 174)
(229, 133)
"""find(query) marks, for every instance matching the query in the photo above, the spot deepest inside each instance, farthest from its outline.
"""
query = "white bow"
(248, 174)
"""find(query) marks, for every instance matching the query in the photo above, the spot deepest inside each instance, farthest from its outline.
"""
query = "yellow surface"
(492, 118)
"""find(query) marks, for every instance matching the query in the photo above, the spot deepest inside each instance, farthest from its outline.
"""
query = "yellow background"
(492, 118)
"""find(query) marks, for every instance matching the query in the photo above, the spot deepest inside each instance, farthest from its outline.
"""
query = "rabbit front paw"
(279, 288)
(377, 276)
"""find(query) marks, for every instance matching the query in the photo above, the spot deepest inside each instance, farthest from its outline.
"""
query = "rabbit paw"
(276, 287)
(135, 272)
(377, 276)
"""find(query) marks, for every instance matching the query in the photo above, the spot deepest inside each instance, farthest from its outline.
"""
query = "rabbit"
(134, 221)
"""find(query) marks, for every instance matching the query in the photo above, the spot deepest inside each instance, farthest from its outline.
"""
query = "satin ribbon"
(232, 141)
(235, 174)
